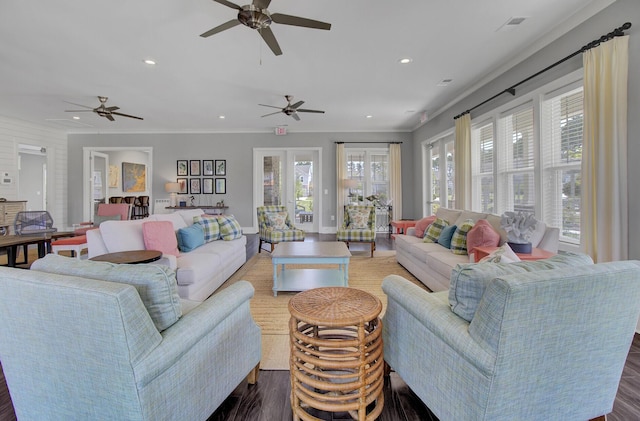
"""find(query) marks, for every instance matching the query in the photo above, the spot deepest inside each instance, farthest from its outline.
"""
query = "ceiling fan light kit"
(256, 16)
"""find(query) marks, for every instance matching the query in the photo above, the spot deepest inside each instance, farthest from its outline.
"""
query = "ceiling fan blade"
(272, 106)
(126, 115)
(261, 4)
(298, 21)
(220, 28)
(108, 116)
(112, 108)
(229, 4)
(267, 115)
(295, 116)
(302, 110)
(297, 104)
(270, 39)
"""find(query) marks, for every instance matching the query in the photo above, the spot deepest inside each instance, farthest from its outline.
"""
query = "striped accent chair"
(359, 226)
(275, 226)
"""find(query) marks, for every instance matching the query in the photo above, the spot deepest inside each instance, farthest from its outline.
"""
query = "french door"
(441, 175)
(291, 178)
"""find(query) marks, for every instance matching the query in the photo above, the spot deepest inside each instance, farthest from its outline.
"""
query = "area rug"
(272, 313)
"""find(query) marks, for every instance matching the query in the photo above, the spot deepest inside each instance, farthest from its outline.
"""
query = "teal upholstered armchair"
(275, 226)
(359, 226)
(540, 345)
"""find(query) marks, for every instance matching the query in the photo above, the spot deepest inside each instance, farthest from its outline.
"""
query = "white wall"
(14, 132)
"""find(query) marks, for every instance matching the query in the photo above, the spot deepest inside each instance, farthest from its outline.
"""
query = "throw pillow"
(503, 254)
(209, 224)
(190, 238)
(230, 229)
(358, 219)
(159, 235)
(445, 236)
(277, 220)
(97, 220)
(156, 284)
(432, 233)
(459, 239)
(423, 224)
(482, 235)
(468, 281)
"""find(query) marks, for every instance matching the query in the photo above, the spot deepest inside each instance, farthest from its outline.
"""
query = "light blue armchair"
(75, 348)
(543, 345)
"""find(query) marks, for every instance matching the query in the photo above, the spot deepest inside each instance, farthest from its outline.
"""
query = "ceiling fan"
(291, 109)
(102, 110)
(256, 16)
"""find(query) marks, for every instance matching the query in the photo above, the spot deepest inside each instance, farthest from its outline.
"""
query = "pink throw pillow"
(159, 235)
(421, 225)
(482, 235)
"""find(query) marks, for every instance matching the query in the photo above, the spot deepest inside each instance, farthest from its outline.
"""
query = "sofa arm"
(95, 244)
(434, 315)
(192, 327)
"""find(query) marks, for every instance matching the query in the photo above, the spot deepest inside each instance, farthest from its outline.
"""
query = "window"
(528, 157)
(371, 169)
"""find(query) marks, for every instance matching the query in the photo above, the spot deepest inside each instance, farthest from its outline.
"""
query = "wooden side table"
(401, 226)
(536, 253)
(336, 361)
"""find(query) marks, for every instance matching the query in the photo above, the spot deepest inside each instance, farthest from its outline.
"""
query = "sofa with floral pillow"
(439, 242)
(205, 250)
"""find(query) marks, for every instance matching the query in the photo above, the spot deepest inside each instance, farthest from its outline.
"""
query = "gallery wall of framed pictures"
(206, 176)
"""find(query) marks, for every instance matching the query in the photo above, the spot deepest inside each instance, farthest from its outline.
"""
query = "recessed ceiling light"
(221, 117)
(75, 117)
(405, 60)
(149, 61)
(369, 116)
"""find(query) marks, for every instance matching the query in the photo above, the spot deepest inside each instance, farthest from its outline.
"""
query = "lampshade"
(350, 183)
(172, 187)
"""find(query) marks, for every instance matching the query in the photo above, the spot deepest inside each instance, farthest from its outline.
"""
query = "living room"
(65, 148)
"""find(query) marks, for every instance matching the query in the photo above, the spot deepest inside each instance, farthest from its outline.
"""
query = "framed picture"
(183, 168)
(207, 167)
(194, 186)
(134, 177)
(183, 185)
(221, 186)
(221, 167)
(207, 186)
(195, 167)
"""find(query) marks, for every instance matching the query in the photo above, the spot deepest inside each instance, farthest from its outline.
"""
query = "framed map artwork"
(134, 177)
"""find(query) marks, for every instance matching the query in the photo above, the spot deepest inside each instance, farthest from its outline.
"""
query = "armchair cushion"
(156, 284)
(358, 219)
(277, 220)
(469, 281)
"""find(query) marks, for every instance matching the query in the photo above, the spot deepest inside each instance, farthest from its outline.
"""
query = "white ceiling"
(54, 51)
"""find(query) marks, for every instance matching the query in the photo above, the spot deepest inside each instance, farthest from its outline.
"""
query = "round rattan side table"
(336, 361)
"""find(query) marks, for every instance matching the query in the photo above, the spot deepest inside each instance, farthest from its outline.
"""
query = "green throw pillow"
(459, 239)
(432, 233)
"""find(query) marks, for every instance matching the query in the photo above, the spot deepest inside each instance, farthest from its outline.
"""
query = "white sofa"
(199, 272)
(432, 263)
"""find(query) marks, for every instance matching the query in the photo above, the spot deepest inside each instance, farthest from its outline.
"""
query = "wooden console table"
(220, 209)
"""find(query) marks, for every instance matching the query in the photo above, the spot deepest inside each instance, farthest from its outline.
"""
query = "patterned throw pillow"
(459, 239)
(434, 230)
(277, 220)
(230, 229)
(358, 219)
(210, 227)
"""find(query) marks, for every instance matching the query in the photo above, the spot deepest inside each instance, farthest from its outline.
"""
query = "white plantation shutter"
(561, 156)
(482, 160)
(515, 161)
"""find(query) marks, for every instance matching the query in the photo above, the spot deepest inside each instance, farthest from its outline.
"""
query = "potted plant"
(519, 227)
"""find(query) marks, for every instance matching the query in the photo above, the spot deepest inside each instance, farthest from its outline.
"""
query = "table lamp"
(172, 188)
(350, 183)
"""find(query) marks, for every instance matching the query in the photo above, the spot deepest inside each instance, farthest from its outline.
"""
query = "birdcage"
(33, 222)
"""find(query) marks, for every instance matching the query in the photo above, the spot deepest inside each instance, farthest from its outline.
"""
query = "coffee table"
(309, 252)
(10, 243)
(131, 257)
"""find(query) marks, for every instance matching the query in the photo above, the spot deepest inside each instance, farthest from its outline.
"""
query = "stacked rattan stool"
(337, 361)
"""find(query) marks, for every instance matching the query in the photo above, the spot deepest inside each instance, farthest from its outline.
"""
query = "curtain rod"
(390, 143)
(618, 32)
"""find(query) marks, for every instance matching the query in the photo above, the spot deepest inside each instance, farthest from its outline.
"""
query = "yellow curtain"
(395, 179)
(462, 160)
(604, 214)
(341, 174)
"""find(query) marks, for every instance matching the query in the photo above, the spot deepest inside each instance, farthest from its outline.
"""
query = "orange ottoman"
(73, 244)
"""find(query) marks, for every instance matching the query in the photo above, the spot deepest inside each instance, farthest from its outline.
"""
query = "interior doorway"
(32, 176)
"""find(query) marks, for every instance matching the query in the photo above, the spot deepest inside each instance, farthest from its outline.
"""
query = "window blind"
(482, 160)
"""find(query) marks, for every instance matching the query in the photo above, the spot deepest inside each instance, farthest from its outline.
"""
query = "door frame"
(288, 155)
